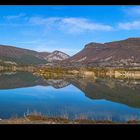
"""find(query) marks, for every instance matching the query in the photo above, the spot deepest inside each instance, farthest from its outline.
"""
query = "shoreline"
(86, 72)
(95, 72)
(41, 119)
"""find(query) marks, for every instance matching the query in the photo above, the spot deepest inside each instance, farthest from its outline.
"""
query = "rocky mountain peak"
(93, 45)
(57, 56)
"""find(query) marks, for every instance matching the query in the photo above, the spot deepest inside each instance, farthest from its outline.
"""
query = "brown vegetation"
(41, 119)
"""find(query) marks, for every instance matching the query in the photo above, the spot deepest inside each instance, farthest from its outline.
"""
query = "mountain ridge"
(21, 56)
(117, 54)
(121, 53)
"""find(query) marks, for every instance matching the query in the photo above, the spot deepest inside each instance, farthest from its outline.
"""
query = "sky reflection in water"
(68, 101)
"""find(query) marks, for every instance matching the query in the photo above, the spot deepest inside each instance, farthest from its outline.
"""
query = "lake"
(101, 99)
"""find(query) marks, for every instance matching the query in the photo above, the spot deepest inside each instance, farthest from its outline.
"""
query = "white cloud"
(29, 42)
(43, 21)
(82, 24)
(130, 25)
(132, 11)
(10, 17)
(70, 24)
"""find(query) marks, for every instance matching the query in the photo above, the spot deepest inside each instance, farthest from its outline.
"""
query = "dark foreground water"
(100, 99)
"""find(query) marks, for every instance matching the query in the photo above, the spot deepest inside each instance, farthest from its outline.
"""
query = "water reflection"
(121, 91)
(11, 80)
(98, 99)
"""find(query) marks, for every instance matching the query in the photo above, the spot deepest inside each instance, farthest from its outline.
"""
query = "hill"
(123, 53)
(20, 56)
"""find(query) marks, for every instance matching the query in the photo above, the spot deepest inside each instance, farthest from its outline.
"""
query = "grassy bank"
(41, 119)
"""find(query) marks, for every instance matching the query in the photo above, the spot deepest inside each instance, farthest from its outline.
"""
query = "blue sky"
(66, 28)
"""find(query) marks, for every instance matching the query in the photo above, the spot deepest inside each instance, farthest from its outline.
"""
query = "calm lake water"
(100, 99)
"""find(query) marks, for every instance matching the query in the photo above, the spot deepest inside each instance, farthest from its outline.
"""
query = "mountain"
(117, 53)
(44, 54)
(20, 56)
(56, 56)
(123, 53)
(14, 55)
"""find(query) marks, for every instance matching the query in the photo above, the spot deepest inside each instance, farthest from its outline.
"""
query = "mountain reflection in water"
(25, 79)
(121, 91)
(125, 92)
